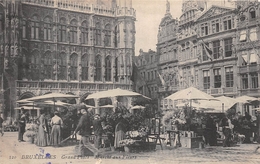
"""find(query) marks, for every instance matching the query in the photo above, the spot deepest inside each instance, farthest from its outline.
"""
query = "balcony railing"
(249, 68)
(70, 86)
(83, 7)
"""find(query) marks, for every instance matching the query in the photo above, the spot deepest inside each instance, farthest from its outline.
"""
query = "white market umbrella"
(246, 99)
(89, 106)
(216, 106)
(28, 108)
(194, 105)
(138, 107)
(190, 93)
(114, 93)
(107, 106)
(24, 101)
(54, 97)
(226, 100)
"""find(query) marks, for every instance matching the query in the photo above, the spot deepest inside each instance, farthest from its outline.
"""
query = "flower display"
(136, 134)
(127, 142)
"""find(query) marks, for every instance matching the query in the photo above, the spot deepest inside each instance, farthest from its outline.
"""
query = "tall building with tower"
(73, 47)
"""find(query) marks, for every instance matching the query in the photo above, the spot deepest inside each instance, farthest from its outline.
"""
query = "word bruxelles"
(38, 156)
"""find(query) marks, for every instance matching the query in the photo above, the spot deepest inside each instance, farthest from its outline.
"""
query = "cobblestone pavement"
(12, 151)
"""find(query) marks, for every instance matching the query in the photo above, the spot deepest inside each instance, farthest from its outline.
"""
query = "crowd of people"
(50, 132)
(235, 128)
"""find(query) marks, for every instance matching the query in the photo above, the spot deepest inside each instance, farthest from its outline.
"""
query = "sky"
(148, 17)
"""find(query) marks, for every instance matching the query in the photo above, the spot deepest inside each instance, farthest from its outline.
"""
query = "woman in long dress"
(42, 137)
(57, 124)
(119, 133)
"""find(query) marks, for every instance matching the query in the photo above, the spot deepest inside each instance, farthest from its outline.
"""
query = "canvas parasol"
(54, 97)
(107, 106)
(27, 107)
(48, 103)
(137, 107)
(190, 93)
(114, 93)
(246, 99)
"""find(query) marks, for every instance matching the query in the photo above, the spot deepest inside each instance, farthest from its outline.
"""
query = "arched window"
(35, 27)
(108, 68)
(62, 66)
(48, 65)
(35, 65)
(47, 28)
(252, 13)
(62, 30)
(85, 67)
(73, 31)
(116, 69)
(84, 32)
(98, 34)
(74, 67)
(98, 74)
(107, 39)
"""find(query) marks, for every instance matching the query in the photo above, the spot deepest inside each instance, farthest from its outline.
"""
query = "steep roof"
(214, 11)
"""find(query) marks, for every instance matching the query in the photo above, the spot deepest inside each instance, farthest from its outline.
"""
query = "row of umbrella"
(201, 100)
(56, 99)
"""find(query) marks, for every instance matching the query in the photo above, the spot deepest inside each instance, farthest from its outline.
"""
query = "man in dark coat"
(98, 130)
(211, 131)
(84, 128)
(21, 125)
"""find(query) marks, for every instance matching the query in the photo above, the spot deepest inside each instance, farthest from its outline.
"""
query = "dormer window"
(252, 13)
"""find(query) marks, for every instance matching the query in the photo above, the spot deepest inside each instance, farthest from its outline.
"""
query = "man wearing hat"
(21, 125)
(98, 130)
(84, 128)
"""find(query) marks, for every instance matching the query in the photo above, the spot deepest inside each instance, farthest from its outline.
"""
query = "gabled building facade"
(216, 28)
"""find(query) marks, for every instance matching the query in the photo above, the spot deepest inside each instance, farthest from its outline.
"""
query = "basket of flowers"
(129, 144)
(31, 132)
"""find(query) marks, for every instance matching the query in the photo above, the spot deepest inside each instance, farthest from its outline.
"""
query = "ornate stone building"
(247, 50)
(231, 33)
(167, 51)
(72, 47)
(216, 29)
(147, 66)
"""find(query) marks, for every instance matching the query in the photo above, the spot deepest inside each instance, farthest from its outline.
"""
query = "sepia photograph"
(129, 81)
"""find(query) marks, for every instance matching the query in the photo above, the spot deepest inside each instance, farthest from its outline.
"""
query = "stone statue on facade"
(167, 7)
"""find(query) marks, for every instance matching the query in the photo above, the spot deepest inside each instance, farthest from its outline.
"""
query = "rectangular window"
(217, 78)
(227, 25)
(215, 26)
(24, 29)
(73, 34)
(204, 29)
(242, 37)
(228, 47)
(244, 81)
(47, 31)
(253, 34)
(204, 53)
(254, 80)
(253, 59)
(216, 46)
(244, 59)
(229, 77)
(206, 79)
(62, 33)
